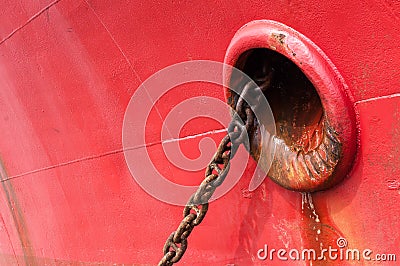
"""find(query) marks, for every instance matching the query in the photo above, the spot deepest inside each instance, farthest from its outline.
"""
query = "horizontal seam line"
(87, 158)
(378, 97)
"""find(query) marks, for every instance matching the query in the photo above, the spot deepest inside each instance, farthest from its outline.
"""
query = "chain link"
(197, 206)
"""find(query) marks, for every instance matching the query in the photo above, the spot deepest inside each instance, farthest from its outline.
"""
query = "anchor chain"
(242, 124)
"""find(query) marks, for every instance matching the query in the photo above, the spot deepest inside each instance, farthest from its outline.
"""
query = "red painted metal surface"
(67, 72)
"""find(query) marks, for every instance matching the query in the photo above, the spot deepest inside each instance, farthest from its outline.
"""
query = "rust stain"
(318, 230)
(18, 218)
(9, 240)
(307, 148)
(280, 37)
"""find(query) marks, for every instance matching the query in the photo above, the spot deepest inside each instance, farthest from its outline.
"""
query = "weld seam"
(29, 21)
(87, 158)
(394, 95)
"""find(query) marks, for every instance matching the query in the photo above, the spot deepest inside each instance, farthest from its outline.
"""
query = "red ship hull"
(68, 70)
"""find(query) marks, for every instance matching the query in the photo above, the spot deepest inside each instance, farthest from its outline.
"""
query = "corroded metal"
(307, 148)
(316, 123)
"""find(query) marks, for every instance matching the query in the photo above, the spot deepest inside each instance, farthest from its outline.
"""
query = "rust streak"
(9, 238)
(18, 218)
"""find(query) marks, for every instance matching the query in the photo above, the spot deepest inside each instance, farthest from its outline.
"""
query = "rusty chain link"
(197, 206)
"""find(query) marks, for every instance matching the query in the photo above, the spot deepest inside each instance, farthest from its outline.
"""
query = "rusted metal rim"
(340, 131)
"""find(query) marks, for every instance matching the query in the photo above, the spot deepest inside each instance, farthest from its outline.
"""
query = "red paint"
(67, 77)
